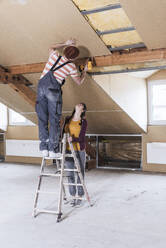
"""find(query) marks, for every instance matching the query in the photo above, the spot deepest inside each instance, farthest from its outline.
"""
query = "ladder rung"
(75, 184)
(46, 192)
(49, 175)
(45, 211)
(71, 170)
(69, 155)
(59, 158)
(79, 198)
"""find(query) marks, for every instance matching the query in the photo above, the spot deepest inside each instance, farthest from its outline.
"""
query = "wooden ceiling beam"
(20, 84)
(27, 68)
(117, 58)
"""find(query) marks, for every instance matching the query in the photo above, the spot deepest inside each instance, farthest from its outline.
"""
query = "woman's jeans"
(49, 109)
(73, 176)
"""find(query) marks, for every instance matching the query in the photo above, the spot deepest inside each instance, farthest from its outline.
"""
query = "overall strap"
(56, 62)
(52, 68)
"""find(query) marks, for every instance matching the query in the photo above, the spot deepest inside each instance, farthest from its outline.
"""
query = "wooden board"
(149, 19)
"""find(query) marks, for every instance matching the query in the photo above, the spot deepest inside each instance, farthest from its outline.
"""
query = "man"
(49, 94)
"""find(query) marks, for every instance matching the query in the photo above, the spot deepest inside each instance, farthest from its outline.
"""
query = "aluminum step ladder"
(60, 173)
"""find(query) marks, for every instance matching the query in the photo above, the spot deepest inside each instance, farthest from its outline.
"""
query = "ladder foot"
(59, 217)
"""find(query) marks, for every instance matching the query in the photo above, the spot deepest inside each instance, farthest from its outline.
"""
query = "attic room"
(125, 142)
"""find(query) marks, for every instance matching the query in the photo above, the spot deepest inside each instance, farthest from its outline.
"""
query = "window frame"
(150, 105)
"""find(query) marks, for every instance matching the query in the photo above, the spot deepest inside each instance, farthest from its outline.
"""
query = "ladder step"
(50, 175)
(75, 184)
(78, 198)
(58, 158)
(71, 170)
(46, 211)
(68, 155)
(45, 192)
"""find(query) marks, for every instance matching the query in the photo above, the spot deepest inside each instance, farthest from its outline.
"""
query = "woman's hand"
(71, 42)
(69, 139)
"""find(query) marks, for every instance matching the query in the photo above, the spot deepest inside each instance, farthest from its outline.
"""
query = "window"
(18, 120)
(3, 117)
(157, 102)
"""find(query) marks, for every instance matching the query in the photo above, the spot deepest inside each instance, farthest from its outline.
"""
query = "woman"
(76, 126)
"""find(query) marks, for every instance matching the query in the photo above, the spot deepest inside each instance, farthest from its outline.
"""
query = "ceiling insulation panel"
(93, 4)
(149, 18)
(108, 20)
(121, 39)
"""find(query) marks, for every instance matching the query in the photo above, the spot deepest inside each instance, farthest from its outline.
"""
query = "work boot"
(54, 155)
(73, 202)
(45, 153)
(79, 203)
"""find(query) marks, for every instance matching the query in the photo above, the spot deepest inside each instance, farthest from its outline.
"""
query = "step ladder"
(60, 173)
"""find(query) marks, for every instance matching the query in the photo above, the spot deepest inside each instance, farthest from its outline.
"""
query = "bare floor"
(129, 211)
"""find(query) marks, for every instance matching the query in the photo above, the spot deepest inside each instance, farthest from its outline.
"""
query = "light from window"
(18, 119)
(157, 102)
(3, 117)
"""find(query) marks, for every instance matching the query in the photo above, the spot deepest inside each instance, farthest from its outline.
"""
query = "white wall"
(3, 117)
(129, 92)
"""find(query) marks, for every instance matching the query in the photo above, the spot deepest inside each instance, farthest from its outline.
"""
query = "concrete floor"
(129, 212)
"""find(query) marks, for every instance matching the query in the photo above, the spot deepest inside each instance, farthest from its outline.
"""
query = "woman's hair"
(71, 52)
(82, 114)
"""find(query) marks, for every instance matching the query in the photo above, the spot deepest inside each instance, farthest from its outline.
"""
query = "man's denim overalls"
(49, 108)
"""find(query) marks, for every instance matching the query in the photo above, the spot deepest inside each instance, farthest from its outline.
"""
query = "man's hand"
(71, 42)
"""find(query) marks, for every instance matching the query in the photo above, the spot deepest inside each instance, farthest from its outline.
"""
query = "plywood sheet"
(28, 30)
(149, 18)
(93, 4)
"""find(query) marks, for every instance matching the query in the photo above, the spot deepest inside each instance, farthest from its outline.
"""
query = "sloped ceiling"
(149, 18)
(104, 115)
(108, 20)
(27, 31)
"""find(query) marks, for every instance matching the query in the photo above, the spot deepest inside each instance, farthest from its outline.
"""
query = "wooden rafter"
(131, 57)
(20, 84)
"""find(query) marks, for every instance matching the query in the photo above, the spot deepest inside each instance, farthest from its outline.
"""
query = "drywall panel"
(149, 19)
(154, 134)
(129, 92)
(22, 132)
(28, 30)
(156, 153)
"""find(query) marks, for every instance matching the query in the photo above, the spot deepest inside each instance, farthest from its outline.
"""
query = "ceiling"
(29, 27)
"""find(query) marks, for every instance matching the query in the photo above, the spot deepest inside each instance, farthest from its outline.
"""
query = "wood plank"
(131, 57)
(20, 84)
(27, 68)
